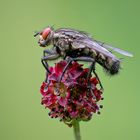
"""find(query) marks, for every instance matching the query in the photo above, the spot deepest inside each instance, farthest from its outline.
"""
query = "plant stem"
(76, 129)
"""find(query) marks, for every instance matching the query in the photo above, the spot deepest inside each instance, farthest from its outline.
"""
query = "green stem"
(76, 129)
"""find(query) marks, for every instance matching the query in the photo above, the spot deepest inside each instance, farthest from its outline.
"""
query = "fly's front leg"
(52, 51)
(48, 52)
(49, 57)
(45, 59)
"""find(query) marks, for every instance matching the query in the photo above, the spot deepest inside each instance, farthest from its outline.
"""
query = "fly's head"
(45, 37)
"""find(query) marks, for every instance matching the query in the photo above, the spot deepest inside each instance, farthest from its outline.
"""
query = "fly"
(74, 45)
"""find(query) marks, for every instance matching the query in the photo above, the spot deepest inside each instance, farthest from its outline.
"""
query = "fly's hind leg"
(92, 68)
(70, 59)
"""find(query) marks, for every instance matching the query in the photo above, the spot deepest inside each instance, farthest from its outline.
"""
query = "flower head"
(71, 98)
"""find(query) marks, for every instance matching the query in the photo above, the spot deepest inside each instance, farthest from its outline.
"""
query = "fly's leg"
(45, 64)
(92, 68)
(51, 56)
(85, 59)
(49, 51)
(98, 79)
(48, 57)
(65, 68)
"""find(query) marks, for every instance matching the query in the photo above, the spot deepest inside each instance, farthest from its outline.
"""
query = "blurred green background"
(22, 117)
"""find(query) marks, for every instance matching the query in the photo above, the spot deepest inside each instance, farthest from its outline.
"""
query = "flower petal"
(62, 101)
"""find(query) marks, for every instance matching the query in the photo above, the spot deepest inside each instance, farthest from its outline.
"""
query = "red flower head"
(71, 98)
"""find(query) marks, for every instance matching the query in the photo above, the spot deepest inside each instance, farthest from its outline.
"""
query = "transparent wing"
(72, 32)
(86, 42)
(115, 49)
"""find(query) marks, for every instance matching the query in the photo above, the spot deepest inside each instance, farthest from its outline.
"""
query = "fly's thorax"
(62, 43)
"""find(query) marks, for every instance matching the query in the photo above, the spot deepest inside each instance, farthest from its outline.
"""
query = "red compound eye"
(45, 33)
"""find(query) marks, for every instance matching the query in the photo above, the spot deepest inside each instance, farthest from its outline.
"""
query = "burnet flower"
(71, 99)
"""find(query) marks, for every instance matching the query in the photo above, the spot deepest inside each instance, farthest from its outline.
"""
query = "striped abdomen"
(111, 65)
(109, 62)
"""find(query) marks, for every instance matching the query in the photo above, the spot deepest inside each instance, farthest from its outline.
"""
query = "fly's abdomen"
(111, 65)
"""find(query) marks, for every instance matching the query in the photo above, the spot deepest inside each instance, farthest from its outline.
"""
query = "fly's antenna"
(36, 33)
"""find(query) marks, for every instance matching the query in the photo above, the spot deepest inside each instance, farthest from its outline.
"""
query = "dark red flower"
(71, 98)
